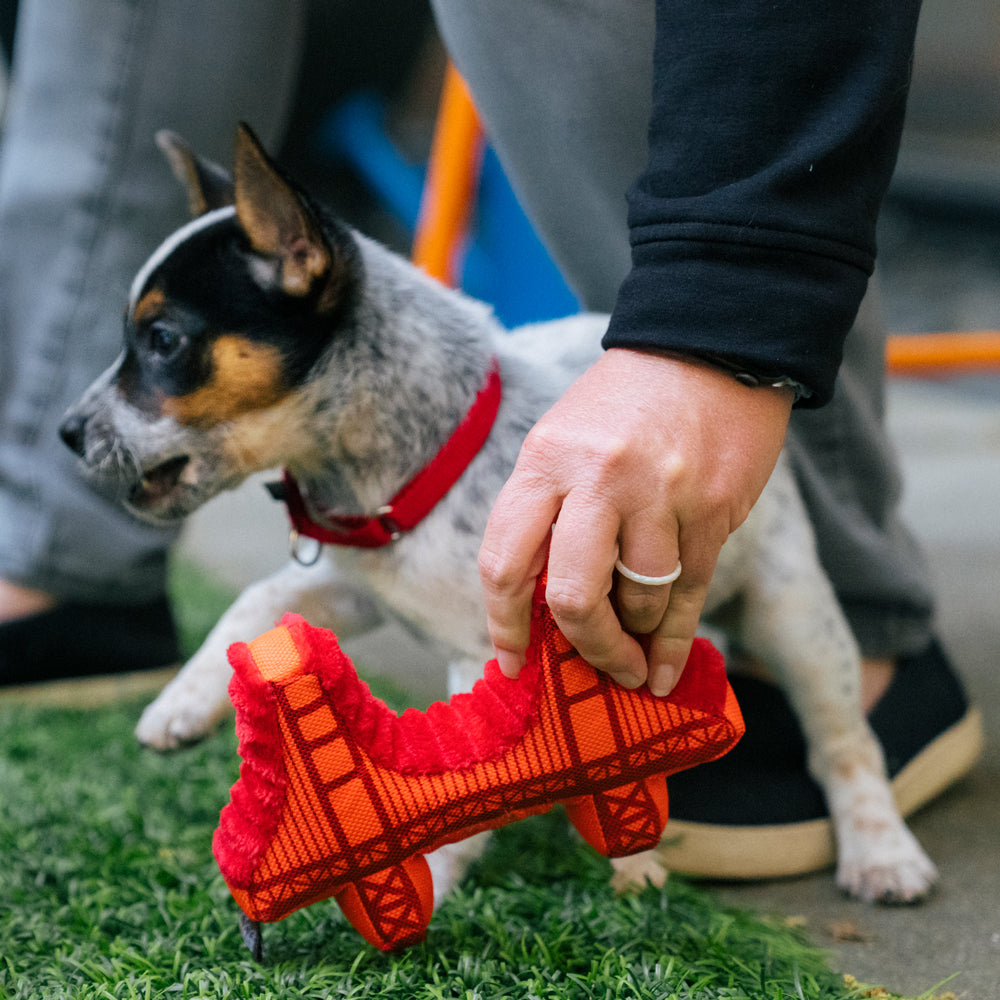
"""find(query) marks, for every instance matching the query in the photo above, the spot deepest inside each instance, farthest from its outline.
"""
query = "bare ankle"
(876, 676)
(20, 602)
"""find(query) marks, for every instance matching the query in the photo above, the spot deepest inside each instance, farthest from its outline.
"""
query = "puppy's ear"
(208, 185)
(279, 224)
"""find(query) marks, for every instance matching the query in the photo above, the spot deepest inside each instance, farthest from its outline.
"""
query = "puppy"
(266, 333)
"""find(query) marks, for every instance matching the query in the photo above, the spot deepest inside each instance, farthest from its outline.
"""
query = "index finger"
(511, 558)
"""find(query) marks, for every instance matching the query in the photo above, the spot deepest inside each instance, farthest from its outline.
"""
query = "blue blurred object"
(505, 263)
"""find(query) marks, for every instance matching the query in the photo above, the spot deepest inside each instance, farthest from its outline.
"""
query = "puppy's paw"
(180, 716)
(890, 868)
(634, 872)
(449, 864)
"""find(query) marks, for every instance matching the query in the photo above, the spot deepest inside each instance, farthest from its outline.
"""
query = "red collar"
(418, 497)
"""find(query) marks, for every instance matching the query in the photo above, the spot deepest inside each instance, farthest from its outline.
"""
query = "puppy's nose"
(71, 430)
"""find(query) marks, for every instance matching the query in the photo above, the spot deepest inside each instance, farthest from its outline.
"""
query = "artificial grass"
(108, 889)
(198, 600)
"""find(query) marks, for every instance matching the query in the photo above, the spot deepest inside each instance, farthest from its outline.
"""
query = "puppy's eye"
(165, 340)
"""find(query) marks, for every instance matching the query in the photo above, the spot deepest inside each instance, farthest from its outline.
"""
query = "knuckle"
(671, 467)
(615, 452)
(599, 449)
(640, 603)
(569, 602)
(507, 640)
(682, 616)
(541, 444)
(496, 569)
(600, 655)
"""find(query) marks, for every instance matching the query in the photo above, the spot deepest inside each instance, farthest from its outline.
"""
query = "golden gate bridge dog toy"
(338, 796)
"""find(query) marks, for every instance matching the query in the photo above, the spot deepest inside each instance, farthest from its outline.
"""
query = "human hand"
(648, 458)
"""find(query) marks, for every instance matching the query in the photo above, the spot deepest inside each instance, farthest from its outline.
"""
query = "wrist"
(754, 378)
(748, 376)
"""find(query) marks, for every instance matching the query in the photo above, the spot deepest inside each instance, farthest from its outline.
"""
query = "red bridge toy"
(338, 796)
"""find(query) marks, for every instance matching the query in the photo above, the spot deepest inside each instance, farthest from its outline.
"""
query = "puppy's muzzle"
(73, 431)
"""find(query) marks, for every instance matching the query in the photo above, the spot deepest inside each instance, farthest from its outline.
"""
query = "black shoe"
(756, 813)
(84, 640)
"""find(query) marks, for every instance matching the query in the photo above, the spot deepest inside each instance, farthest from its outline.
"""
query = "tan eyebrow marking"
(150, 304)
(245, 376)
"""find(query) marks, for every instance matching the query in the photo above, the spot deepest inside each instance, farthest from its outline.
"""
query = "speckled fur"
(397, 370)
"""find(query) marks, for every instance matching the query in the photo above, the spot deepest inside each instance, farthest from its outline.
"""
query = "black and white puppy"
(266, 333)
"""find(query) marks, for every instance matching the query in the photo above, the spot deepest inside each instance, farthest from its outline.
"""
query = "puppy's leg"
(197, 699)
(793, 622)
(449, 864)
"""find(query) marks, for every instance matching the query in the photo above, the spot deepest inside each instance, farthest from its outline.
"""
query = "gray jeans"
(84, 198)
(565, 93)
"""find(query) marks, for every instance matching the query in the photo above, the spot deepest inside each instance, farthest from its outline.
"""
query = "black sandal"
(84, 640)
(756, 813)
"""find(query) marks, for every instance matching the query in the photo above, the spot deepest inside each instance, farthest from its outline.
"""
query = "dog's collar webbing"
(418, 497)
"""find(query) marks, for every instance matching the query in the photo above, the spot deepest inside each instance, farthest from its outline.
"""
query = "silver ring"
(647, 581)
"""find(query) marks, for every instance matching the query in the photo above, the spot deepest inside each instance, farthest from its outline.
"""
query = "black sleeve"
(774, 133)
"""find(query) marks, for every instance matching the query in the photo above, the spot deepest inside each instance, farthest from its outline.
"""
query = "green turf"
(198, 601)
(108, 889)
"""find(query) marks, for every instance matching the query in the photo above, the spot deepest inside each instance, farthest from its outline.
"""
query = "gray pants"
(84, 198)
(565, 93)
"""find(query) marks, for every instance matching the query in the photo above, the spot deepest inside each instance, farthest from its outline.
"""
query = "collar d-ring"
(303, 555)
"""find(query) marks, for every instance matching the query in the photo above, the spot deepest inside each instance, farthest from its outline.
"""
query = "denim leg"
(84, 198)
(849, 475)
(565, 94)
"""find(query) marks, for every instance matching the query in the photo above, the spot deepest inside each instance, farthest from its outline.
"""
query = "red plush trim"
(470, 728)
(464, 731)
(247, 824)
(704, 690)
